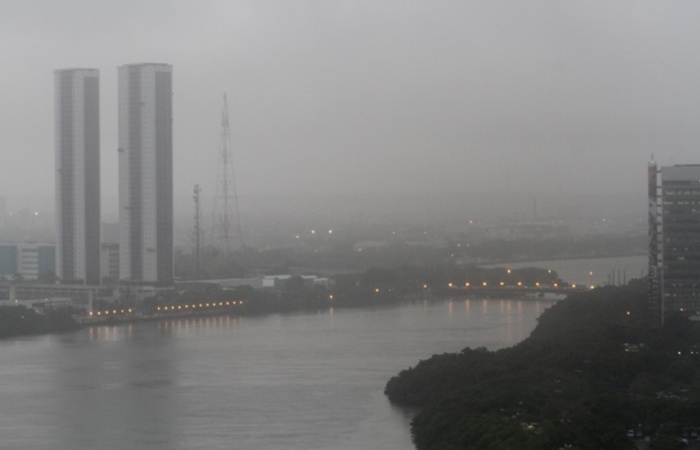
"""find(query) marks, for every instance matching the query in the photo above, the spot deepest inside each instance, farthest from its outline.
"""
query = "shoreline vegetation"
(379, 286)
(22, 321)
(598, 372)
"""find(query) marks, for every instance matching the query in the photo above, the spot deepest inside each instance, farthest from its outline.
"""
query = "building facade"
(674, 239)
(109, 264)
(28, 261)
(145, 173)
(77, 144)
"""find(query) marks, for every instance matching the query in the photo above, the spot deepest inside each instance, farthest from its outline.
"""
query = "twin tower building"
(145, 147)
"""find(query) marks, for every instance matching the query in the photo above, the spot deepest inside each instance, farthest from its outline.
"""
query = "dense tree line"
(596, 368)
(371, 287)
(345, 251)
(20, 321)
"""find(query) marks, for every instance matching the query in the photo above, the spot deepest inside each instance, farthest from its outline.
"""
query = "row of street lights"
(200, 306)
(187, 307)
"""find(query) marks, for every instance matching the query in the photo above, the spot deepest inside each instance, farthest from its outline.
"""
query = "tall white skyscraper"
(146, 173)
(77, 143)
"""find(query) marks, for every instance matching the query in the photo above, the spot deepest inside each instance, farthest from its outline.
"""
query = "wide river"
(311, 380)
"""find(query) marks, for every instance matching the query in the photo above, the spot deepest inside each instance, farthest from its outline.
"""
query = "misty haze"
(249, 224)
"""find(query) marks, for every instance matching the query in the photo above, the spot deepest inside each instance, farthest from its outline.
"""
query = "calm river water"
(283, 381)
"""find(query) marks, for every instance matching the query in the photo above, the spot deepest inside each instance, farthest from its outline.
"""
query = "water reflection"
(330, 317)
(113, 333)
(196, 325)
(303, 380)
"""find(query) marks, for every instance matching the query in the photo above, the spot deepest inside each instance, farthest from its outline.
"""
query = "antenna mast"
(197, 232)
(227, 188)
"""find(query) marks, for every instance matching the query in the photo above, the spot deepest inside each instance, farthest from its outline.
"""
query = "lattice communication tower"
(227, 221)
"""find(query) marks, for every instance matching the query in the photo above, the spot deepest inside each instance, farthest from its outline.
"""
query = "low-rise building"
(27, 261)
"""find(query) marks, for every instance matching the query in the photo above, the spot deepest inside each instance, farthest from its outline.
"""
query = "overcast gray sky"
(393, 96)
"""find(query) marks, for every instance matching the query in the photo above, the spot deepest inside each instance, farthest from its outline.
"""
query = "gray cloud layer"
(361, 97)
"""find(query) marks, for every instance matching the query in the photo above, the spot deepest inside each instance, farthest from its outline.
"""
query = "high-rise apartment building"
(674, 239)
(77, 143)
(145, 173)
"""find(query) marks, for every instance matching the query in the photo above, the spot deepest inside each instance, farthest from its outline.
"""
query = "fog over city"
(468, 179)
(364, 99)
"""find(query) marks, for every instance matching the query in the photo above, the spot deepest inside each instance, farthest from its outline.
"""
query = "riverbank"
(616, 270)
(373, 287)
(597, 372)
(22, 321)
